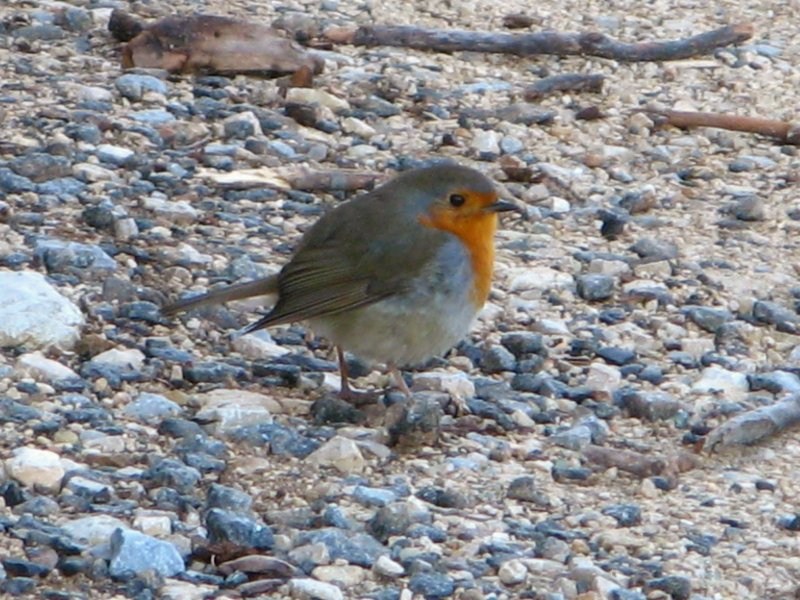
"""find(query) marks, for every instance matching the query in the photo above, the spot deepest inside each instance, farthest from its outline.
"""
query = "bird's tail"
(265, 286)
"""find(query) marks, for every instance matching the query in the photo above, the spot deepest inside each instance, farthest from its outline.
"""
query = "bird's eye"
(457, 200)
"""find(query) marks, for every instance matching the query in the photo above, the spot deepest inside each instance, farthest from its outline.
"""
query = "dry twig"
(788, 133)
(545, 42)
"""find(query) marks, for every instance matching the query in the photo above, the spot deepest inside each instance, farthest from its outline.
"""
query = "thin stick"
(784, 131)
(545, 42)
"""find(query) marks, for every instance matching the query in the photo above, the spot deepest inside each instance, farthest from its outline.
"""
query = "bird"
(395, 275)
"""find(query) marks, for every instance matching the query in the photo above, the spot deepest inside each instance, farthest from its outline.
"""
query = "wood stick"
(545, 42)
(786, 132)
(565, 82)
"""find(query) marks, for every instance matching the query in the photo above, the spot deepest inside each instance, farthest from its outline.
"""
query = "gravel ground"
(649, 294)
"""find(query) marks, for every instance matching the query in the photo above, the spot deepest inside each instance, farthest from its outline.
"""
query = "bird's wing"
(354, 260)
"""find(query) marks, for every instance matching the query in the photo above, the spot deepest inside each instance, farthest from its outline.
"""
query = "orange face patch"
(475, 227)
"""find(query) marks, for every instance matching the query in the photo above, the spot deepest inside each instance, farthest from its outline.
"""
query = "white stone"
(126, 358)
(247, 116)
(558, 205)
(458, 384)
(311, 589)
(258, 346)
(182, 590)
(338, 452)
(316, 96)
(512, 572)
(153, 525)
(35, 467)
(387, 567)
(116, 155)
(125, 229)
(35, 365)
(732, 385)
(24, 297)
(92, 173)
(486, 142)
(229, 409)
(345, 575)
(539, 278)
(609, 267)
(179, 212)
(93, 530)
(357, 127)
(603, 378)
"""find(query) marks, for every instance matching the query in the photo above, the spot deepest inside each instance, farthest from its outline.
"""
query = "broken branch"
(789, 133)
(545, 42)
(756, 425)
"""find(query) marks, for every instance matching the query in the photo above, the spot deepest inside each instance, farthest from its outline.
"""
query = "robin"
(395, 275)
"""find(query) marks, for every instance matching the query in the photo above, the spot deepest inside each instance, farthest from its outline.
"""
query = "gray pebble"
(229, 527)
(655, 249)
(151, 408)
(497, 359)
(133, 553)
(133, 86)
(228, 499)
(595, 287)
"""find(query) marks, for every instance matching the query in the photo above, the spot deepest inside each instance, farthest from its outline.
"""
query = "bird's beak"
(501, 206)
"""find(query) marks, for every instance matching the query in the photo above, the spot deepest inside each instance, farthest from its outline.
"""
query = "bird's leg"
(347, 393)
(398, 378)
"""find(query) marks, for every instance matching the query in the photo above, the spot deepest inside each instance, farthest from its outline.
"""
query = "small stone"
(133, 552)
(258, 346)
(128, 358)
(340, 453)
(603, 378)
(242, 126)
(357, 127)
(415, 422)
(431, 585)
(386, 567)
(539, 278)
(678, 588)
(34, 364)
(709, 319)
(40, 166)
(395, 519)
(750, 208)
(627, 515)
(151, 408)
(486, 144)
(298, 95)
(521, 343)
(512, 572)
(497, 359)
(93, 530)
(456, 384)
(311, 589)
(655, 249)
(227, 409)
(33, 467)
(653, 406)
(511, 145)
(24, 297)
(346, 576)
(115, 155)
(133, 87)
(733, 385)
(525, 489)
(595, 287)
(228, 498)
(237, 529)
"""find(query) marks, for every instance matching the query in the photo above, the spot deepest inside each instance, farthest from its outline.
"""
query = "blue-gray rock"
(370, 496)
(395, 519)
(151, 408)
(521, 343)
(627, 515)
(616, 356)
(17, 586)
(432, 585)
(73, 258)
(678, 588)
(213, 372)
(775, 382)
(12, 183)
(655, 249)
(525, 489)
(741, 165)
(133, 553)
(709, 319)
(595, 287)
(653, 406)
(40, 166)
(574, 438)
(497, 359)
(749, 208)
(141, 311)
(283, 441)
(228, 499)
(133, 86)
(154, 116)
(62, 187)
(19, 567)
(173, 474)
(774, 314)
(445, 498)
(44, 33)
(229, 527)
(355, 548)
(75, 19)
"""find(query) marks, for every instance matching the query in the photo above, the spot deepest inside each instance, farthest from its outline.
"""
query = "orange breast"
(476, 231)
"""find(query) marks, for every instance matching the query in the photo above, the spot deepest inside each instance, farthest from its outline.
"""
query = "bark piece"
(786, 132)
(544, 42)
(209, 43)
(566, 82)
(756, 425)
(638, 464)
